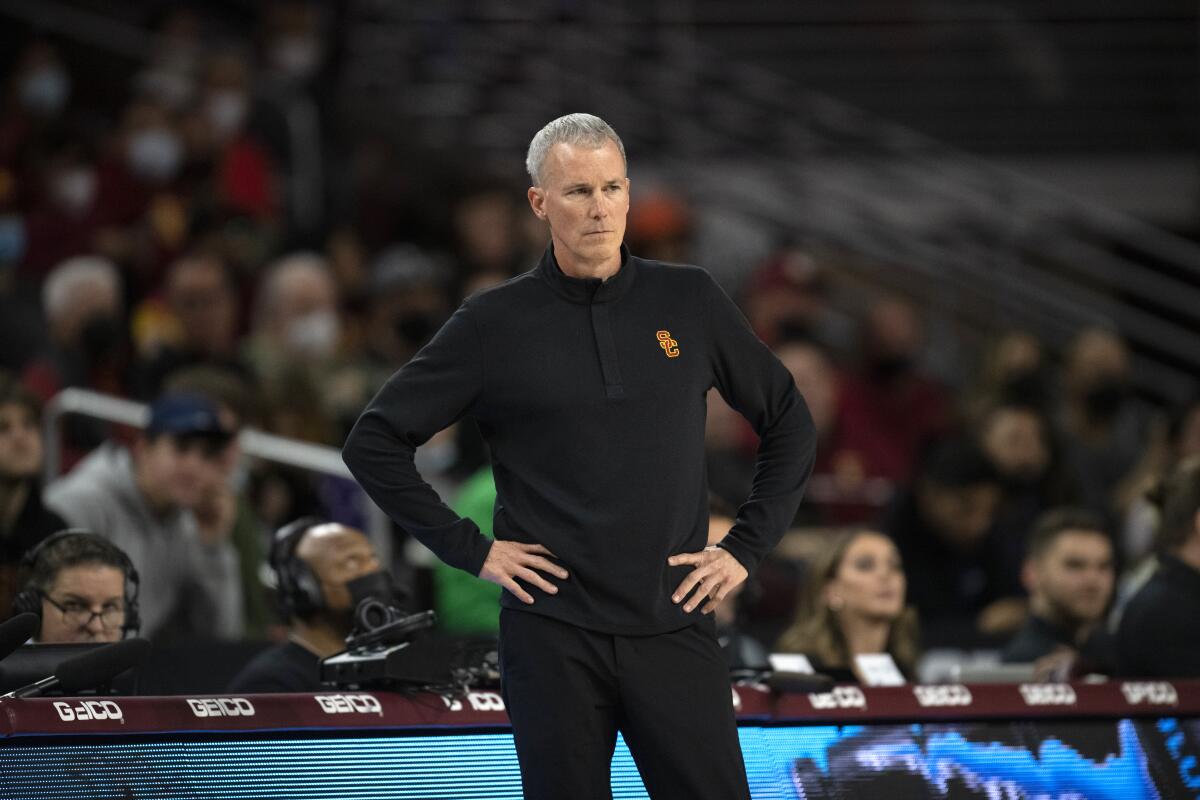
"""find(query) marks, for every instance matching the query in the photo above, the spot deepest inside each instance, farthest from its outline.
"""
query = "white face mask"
(314, 335)
(155, 154)
(226, 111)
(75, 189)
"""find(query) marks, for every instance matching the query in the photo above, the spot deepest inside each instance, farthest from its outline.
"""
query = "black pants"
(569, 690)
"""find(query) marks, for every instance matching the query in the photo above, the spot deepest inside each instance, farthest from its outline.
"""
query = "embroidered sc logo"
(669, 345)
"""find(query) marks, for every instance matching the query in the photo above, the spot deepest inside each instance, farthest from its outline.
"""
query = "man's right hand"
(507, 561)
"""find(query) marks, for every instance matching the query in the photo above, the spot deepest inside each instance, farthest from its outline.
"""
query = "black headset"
(29, 599)
(297, 586)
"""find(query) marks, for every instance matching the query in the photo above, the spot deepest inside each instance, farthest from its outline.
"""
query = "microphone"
(90, 669)
(16, 631)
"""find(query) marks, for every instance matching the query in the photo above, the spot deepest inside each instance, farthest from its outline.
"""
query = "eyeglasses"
(80, 616)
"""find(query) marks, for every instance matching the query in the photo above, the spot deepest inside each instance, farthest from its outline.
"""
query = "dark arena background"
(969, 230)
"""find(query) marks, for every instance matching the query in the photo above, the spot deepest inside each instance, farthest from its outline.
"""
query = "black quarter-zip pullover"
(592, 397)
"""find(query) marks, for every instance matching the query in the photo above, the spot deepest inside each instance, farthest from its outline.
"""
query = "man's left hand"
(715, 575)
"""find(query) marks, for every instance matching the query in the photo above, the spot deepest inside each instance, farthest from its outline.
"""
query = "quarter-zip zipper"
(605, 346)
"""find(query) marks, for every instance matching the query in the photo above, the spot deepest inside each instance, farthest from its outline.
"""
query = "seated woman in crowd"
(852, 604)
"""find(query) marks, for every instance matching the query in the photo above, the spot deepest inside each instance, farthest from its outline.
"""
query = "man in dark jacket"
(587, 376)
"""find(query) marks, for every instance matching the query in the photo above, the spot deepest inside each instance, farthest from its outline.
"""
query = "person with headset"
(83, 588)
(313, 561)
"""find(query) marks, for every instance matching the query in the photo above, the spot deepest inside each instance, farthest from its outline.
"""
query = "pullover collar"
(587, 290)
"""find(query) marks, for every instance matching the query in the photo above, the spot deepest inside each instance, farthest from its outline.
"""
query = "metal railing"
(254, 443)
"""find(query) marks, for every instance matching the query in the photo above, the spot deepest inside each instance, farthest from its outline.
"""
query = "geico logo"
(349, 704)
(485, 701)
(221, 707)
(1048, 694)
(1154, 693)
(89, 709)
(938, 696)
(841, 697)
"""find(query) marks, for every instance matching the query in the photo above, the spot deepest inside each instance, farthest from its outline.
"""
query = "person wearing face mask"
(88, 347)
(323, 570)
(1111, 439)
(63, 219)
(853, 603)
(888, 407)
(1016, 438)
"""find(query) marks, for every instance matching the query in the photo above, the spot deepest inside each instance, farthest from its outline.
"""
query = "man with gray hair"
(588, 377)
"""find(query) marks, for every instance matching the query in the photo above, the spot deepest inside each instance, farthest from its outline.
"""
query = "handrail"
(254, 443)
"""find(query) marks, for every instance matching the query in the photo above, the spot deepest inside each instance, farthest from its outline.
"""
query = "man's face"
(20, 443)
(182, 469)
(1075, 575)
(962, 516)
(337, 555)
(584, 196)
(200, 296)
(85, 604)
(1015, 442)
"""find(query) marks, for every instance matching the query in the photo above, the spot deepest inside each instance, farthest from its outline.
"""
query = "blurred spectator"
(235, 401)
(83, 587)
(1158, 636)
(842, 489)
(38, 91)
(293, 346)
(322, 572)
(88, 346)
(964, 579)
(165, 504)
(888, 409)
(24, 520)
(63, 212)
(486, 228)
(1017, 439)
(465, 604)
(1141, 520)
(853, 603)
(1069, 573)
(787, 297)
(1014, 372)
(742, 649)
(660, 227)
(1106, 430)
(197, 326)
(407, 303)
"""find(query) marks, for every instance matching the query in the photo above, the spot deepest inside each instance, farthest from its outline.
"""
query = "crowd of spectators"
(178, 248)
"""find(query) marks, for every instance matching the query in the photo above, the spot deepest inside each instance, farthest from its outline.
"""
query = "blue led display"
(1105, 760)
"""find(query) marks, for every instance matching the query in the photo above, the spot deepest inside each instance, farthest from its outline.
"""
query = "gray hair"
(573, 129)
(77, 274)
(284, 269)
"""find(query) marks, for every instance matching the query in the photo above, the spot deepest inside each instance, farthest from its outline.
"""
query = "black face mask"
(416, 328)
(1026, 386)
(100, 337)
(891, 366)
(1105, 398)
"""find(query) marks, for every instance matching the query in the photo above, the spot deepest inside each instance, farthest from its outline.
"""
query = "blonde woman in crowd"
(852, 603)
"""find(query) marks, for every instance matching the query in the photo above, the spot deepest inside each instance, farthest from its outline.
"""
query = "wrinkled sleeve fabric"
(754, 382)
(436, 388)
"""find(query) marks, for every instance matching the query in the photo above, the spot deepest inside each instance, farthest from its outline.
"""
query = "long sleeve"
(432, 391)
(215, 572)
(754, 382)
